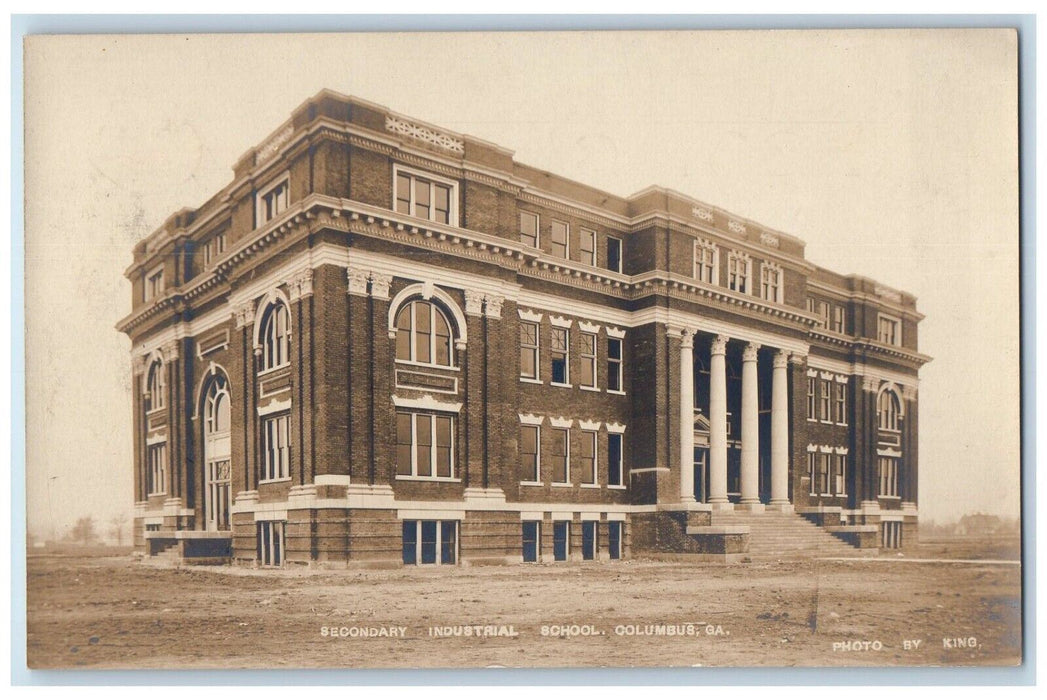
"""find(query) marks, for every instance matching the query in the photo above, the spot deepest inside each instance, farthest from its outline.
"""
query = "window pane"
(443, 445)
(527, 363)
(443, 339)
(614, 459)
(530, 540)
(529, 229)
(424, 441)
(428, 541)
(403, 444)
(448, 541)
(443, 204)
(614, 254)
(410, 541)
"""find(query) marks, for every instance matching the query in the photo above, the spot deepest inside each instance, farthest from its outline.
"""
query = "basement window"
(532, 540)
(270, 542)
(614, 539)
(561, 539)
(430, 542)
(589, 539)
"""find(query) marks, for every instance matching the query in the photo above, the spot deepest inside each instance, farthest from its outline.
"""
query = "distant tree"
(116, 529)
(84, 531)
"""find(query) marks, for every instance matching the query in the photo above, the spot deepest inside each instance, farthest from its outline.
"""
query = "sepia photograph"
(591, 349)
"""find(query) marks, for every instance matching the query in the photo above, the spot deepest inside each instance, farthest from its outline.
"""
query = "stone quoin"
(386, 343)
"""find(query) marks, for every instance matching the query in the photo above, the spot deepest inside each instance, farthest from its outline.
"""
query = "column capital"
(170, 351)
(781, 360)
(797, 358)
(493, 306)
(870, 383)
(357, 281)
(749, 354)
(908, 392)
(473, 302)
(244, 314)
(380, 284)
(719, 346)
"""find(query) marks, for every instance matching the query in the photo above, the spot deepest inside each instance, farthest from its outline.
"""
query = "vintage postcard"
(523, 349)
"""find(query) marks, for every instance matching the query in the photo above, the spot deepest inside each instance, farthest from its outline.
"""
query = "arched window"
(156, 386)
(888, 409)
(276, 336)
(423, 334)
(216, 406)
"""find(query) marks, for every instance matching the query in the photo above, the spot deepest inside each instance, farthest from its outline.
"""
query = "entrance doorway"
(217, 463)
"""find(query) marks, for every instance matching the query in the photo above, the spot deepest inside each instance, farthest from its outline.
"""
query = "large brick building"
(386, 342)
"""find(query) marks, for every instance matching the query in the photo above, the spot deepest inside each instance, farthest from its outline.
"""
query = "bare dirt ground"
(113, 612)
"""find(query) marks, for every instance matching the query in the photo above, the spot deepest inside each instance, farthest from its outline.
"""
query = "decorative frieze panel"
(270, 147)
(702, 213)
(769, 239)
(424, 134)
(426, 381)
(736, 227)
(888, 294)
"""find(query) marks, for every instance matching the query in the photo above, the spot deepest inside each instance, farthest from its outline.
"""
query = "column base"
(755, 507)
(781, 507)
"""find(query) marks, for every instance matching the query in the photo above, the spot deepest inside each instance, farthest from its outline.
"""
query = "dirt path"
(115, 613)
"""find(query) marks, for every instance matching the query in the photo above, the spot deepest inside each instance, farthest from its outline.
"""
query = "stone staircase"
(776, 535)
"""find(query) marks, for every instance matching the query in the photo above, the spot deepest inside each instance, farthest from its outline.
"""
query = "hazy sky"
(893, 154)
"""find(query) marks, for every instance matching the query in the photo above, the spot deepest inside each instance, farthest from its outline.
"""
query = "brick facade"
(353, 435)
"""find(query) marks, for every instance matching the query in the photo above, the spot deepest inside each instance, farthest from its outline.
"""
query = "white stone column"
(750, 430)
(780, 431)
(687, 416)
(718, 423)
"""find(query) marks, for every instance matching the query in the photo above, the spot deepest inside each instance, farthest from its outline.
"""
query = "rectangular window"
(614, 254)
(841, 403)
(270, 542)
(824, 459)
(823, 314)
(273, 202)
(810, 305)
(825, 403)
(424, 445)
(154, 283)
(892, 535)
(614, 364)
(888, 476)
(561, 539)
(615, 467)
(588, 360)
(589, 539)
(560, 232)
(812, 458)
(430, 542)
(586, 252)
(560, 353)
(705, 262)
(156, 481)
(587, 457)
(738, 273)
(770, 281)
(530, 467)
(560, 455)
(276, 447)
(811, 410)
(888, 331)
(839, 319)
(840, 485)
(425, 198)
(532, 540)
(529, 229)
(528, 350)
(614, 539)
